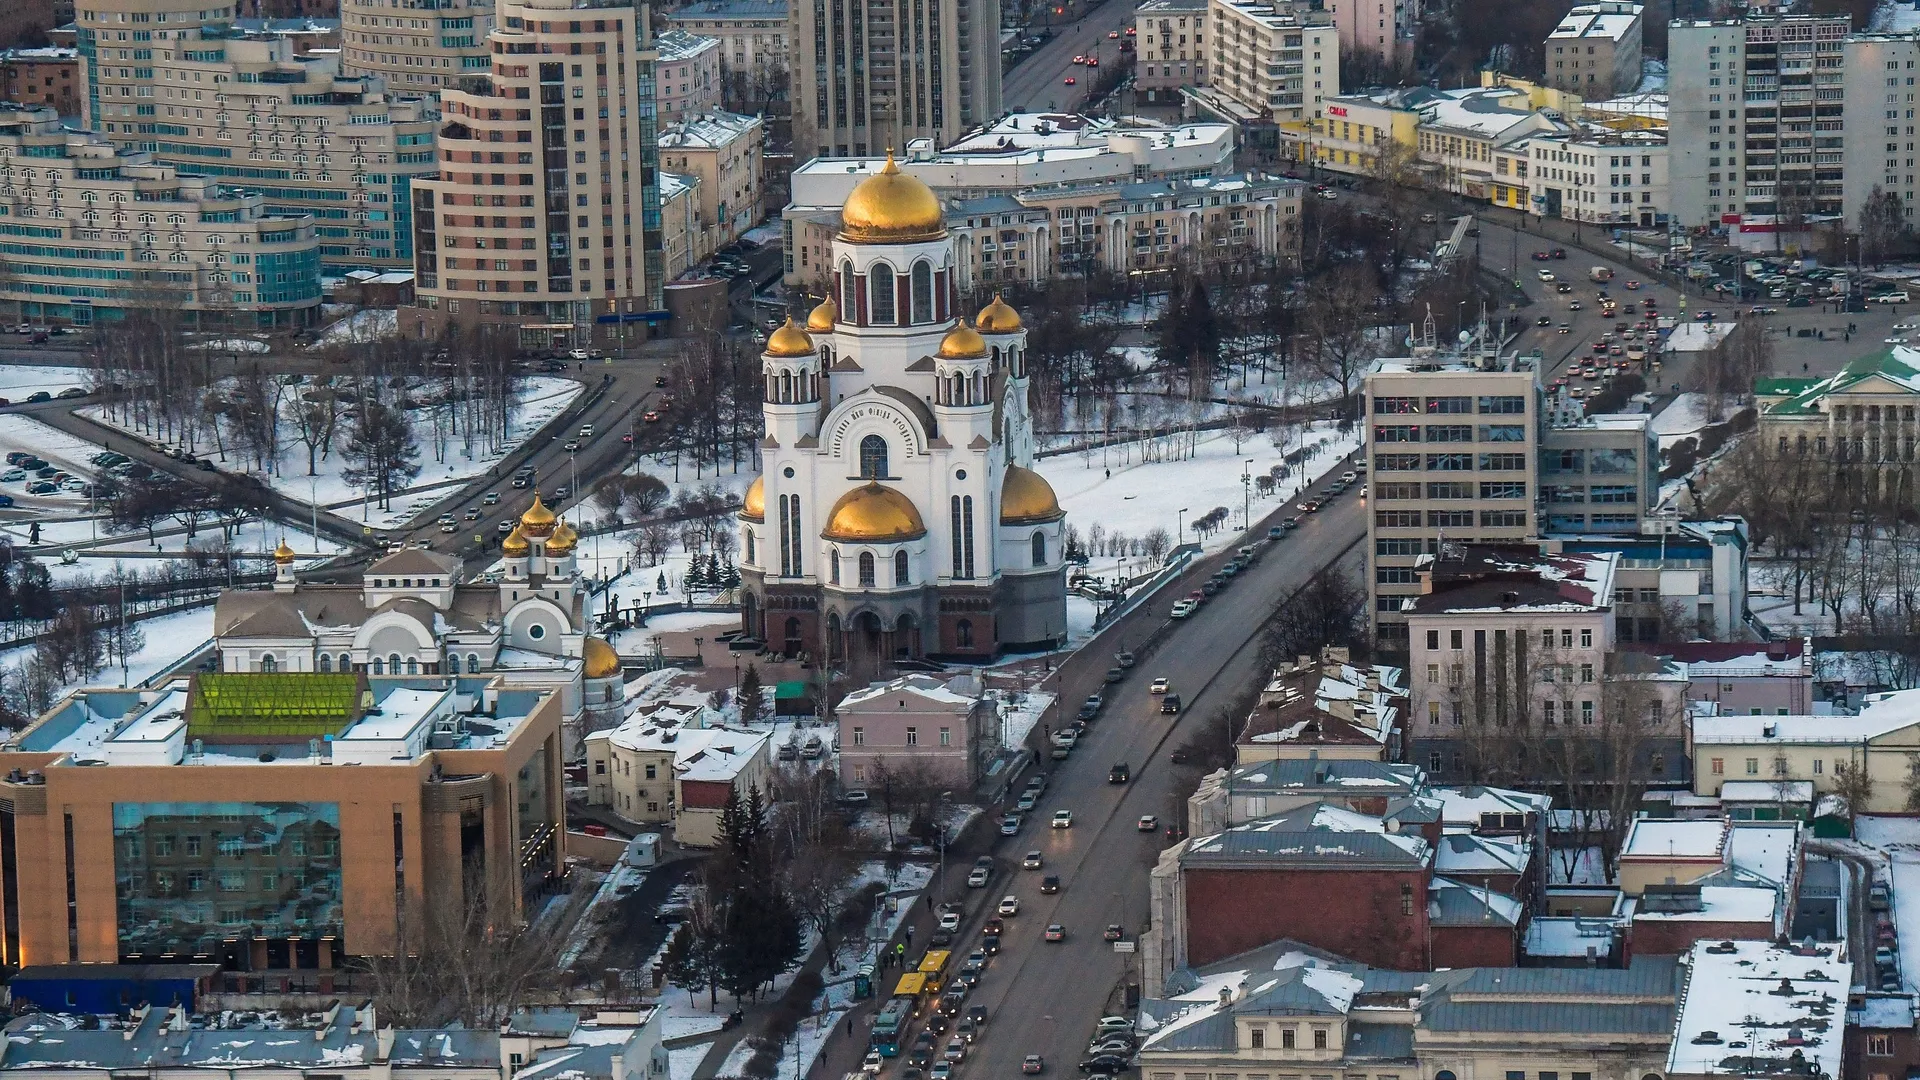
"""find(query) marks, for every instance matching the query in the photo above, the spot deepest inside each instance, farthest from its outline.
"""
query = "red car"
(1068, 80)
(1113, 35)
(1093, 61)
(1129, 31)
(1632, 285)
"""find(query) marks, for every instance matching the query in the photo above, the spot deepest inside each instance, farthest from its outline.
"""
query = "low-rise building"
(1756, 992)
(1819, 749)
(1595, 51)
(97, 231)
(1461, 130)
(45, 76)
(753, 44)
(1859, 421)
(722, 149)
(1600, 176)
(920, 727)
(1883, 1039)
(1326, 708)
(681, 233)
(676, 765)
(1771, 678)
(1598, 473)
(1673, 579)
(1709, 880)
(686, 75)
(1171, 52)
(1370, 134)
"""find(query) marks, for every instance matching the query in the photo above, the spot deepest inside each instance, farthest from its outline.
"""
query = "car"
(1119, 774)
(1632, 285)
(1117, 1043)
(1050, 884)
(956, 1049)
(42, 487)
(1068, 81)
(73, 392)
(1883, 956)
(1158, 686)
(1899, 328)
(949, 921)
(872, 1063)
(650, 417)
(1182, 609)
(1544, 320)
(1033, 861)
(506, 527)
(572, 447)
(978, 877)
(1544, 275)
(1564, 328)
(445, 519)
(39, 395)
(472, 514)
(586, 431)
(1080, 58)
(1063, 819)
(559, 493)
(1105, 1065)
(1055, 932)
(1329, 195)
(1575, 305)
(1115, 674)
(1009, 824)
(942, 1070)
(1093, 703)
(13, 475)
(855, 798)
(1170, 704)
(1026, 801)
(1148, 823)
(1290, 523)
(1114, 1023)
(1559, 253)
(449, 527)
(1563, 288)
(1033, 1064)
(1093, 61)
(1009, 905)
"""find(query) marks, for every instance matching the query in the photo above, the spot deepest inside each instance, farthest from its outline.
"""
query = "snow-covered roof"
(708, 131)
(1766, 849)
(699, 753)
(1311, 833)
(1793, 791)
(1467, 853)
(1651, 838)
(1594, 21)
(1467, 805)
(1569, 936)
(919, 686)
(1721, 904)
(1490, 579)
(1880, 714)
(1788, 1003)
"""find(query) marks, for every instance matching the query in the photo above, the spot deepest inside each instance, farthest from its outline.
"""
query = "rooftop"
(1896, 369)
(1611, 21)
(1506, 579)
(1786, 1004)
(730, 9)
(717, 753)
(1653, 838)
(961, 691)
(1879, 715)
(708, 131)
(1311, 834)
(675, 46)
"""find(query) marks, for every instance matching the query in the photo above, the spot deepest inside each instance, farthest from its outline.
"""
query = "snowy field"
(539, 400)
(21, 381)
(131, 553)
(169, 639)
(1685, 416)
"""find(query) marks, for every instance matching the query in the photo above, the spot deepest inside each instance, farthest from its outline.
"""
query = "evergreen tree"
(752, 697)
(760, 935)
(1171, 340)
(729, 575)
(696, 575)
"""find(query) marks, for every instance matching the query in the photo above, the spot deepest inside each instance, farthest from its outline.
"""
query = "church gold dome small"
(891, 207)
(563, 540)
(789, 341)
(821, 319)
(515, 546)
(602, 661)
(874, 515)
(754, 506)
(538, 521)
(283, 555)
(1027, 499)
(998, 317)
(963, 342)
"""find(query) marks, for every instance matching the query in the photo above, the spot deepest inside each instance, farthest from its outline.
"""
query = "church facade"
(897, 515)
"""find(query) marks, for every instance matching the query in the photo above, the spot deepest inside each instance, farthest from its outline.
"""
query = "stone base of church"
(949, 623)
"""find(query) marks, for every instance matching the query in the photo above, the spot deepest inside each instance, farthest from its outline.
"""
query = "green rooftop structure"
(274, 706)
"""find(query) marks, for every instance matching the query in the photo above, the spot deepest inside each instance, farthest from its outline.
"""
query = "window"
(873, 458)
(922, 292)
(946, 736)
(849, 290)
(901, 576)
(1586, 638)
(913, 736)
(326, 662)
(1877, 1045)
(1286, 1038)
(1433, 639)
(859, 736)
(963, 631)
(1586, 712)
(880, 291)
(1547, 712)
(1319, 1038)
(1039, 549)
(1257, 1037)
(1718, 767)
(866, 570)
(1753, 766)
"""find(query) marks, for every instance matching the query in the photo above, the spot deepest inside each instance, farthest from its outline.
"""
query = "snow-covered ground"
(684, 1061)
(168, 639)
(59, 449)
(369, 324)
(233, 345)
(98, 561)
(539, 399)
(1899, 838)
(1685, 416)
(20, 381)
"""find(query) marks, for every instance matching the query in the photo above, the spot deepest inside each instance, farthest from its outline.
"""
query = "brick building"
(45, 76)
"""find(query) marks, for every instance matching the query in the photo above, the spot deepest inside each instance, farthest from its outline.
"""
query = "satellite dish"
(1465, 336)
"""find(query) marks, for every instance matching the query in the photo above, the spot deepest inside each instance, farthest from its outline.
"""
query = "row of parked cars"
(1886, 940)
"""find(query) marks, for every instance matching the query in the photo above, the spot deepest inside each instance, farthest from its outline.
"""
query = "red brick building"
(44, 76)
(1881, 1043)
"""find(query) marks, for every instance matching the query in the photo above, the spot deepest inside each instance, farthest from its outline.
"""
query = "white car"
(1009, 905)
(1182, 609)
(949, 921)
(1063, 819)
(586, 432)
(1159, 686)
(1544, 275)
(872, 1063)
(1901, 328)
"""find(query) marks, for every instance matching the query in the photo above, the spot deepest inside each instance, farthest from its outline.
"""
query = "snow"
(233, 345)
(1687, 415)
(1742, 988)
(370, 324)
(1577, 866)
(168, 640)
(684, 1061)
(18, 381)
(1648, 838)
(1019, 712)
(1722, 904)
(1899, 839)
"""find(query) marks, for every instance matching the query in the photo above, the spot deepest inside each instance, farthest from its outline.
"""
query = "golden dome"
(537, 522)
(891, 207)
(821, 319)
(997, 317)
(563, 540)
(283, 554)
(873, 514)
(963, 342)
(515, 546)
(602, 661)
(789, 340)
(1027, 499)
(754, 506)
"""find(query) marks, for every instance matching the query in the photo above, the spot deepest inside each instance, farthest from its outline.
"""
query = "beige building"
(1811, 749)
(943, 731)
(1595, 51)
(753, 38)
(247, 108)
(1171, 49)
(723, 149)
(873, 79)
(45, 76)
(417, 49)
(1379, 33)
(668, 766)
(681, 231)
(1461, 131)
(1276, 66)
(563, 230)
(97, 232)
(1859, 421)
(686, 76)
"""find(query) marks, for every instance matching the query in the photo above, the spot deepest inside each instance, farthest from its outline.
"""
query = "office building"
(1756, 114)
(1879, 149)
(1595, 51)
(1597, 175)
(1463, 132)
(1270, 69)
(686, 77)
(558, 238)
(246, 108)
(723, 149)
(94, 232)
(273, 821)
(873, 78)
(753, 42)
(44, 76)
(417, 49)
(1170, 39)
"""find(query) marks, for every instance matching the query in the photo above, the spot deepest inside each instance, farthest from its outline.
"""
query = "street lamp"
(939, 823)
(1246, 494)
(1179, 528)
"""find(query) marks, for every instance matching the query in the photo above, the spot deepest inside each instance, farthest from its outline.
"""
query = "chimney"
(1226, 996)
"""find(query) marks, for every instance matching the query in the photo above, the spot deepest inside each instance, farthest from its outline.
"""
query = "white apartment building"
(687, 75)
(1461, 131)
(246, 108)
(1757, 117)
(1595, 51)
(1271, 65)
(1170, 39)
(1599, 176)
(418, 48)
(92, 232)
(1880, 72)
(558, 237)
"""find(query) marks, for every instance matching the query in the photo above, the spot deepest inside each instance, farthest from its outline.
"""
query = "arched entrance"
(906, 637)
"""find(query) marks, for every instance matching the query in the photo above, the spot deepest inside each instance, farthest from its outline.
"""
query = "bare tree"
(1882, 224)
(1339, 314)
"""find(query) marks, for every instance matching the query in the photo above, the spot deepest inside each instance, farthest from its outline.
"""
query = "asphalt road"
(1044, 998)
(1036, 83)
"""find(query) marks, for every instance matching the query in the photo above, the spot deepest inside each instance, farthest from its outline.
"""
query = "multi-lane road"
(1038, 82)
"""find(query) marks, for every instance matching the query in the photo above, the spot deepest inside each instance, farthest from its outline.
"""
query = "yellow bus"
(934, 967)
(912, 987)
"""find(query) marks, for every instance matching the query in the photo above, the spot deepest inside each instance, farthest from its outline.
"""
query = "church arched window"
(326, 662)
(866, 570)
(393, 664)
(379, 666)
(849, 290)
(346, 662)
(901, 576)
(473, 663)
(833, 567)
(922, 292)
(413, 666)
(873, 457)
(269, 663)
(1039, 548)
(880, 286)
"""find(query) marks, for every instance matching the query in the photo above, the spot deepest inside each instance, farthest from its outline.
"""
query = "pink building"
(686, 78)
(1755, 678)
(937, 731)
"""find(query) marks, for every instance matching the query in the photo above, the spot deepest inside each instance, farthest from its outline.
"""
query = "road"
(1035, 84)
(1044, 998)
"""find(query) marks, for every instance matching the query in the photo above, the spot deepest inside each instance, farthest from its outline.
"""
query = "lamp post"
(1179, 527)
(939, 822)
(1246, 494)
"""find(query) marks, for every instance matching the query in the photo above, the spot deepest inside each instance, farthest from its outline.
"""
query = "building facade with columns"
(898, 515)
(1858, 422)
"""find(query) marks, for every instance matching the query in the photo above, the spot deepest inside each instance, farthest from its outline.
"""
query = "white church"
(898, 515)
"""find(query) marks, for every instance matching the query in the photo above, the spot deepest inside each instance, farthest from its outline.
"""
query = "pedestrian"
(929, 908)
(849, 1025)
(909, 931)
